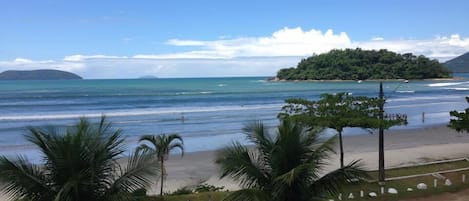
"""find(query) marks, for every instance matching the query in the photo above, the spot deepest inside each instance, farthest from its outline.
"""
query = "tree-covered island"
(358, 64)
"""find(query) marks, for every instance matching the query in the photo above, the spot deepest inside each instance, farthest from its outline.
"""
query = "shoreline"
(402, 147)
(275, 79)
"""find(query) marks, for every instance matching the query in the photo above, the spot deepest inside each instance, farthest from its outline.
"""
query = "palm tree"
(159, 147)
(78, 163)
(284, 166)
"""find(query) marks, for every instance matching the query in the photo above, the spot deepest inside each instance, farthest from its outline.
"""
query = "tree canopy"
(339, 111)
(358, 64)
(461, 120)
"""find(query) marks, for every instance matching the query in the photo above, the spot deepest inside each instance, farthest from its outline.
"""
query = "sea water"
(208, 113)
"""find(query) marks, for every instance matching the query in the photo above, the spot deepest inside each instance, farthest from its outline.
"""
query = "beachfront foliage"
(282, 166)
(159, 147)
(339, 111)
(460, 121)
(78, 163)
(358, 64)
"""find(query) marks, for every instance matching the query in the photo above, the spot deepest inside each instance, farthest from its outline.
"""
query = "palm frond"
(240, 164)
(141, 167)
(179, 146)
(332, 182)
(148, 138)
(256, 133)
(23, 179)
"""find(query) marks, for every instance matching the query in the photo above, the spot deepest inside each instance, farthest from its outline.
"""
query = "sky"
(214, 38)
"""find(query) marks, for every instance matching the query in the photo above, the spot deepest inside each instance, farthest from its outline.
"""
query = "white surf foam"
(445, 84)
(138, 112)
(458, 89)
(409, 91)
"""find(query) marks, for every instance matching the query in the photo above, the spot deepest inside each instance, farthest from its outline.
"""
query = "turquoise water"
(208, 112)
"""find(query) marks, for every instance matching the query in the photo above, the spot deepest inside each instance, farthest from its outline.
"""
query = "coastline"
(275, 79)
(403, 147)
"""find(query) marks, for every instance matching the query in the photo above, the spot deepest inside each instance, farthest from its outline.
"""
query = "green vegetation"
(459, 64)
(204, 196)
(422, 169)
(283, 166)
(338, 111)
(159, 147)
(461, 120)
(207, 188)
(358, 64)
(400, 185)
(80, 163)
(38, 75)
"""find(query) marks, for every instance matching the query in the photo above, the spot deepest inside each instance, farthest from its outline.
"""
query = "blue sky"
(125, 39)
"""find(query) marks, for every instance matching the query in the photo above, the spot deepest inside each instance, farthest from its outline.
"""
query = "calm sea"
(208, 112)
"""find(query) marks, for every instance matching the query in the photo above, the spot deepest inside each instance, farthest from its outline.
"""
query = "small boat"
(406, 81)
(359, 81)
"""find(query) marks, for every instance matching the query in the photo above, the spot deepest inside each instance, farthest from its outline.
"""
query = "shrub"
(207, 188)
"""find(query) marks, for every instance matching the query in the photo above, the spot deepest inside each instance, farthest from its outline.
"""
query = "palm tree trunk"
(341, 150)
(162, 177)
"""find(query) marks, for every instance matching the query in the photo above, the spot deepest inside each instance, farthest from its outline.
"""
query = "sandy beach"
(403, 147)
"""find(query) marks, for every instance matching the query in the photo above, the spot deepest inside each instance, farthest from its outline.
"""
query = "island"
(459, 64)
(358, 64)
(46, 74)
(148, 77)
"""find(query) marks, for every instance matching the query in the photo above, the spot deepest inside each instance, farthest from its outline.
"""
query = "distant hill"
(459, 64)
(38, 75)
(358, 64)
(148, 77)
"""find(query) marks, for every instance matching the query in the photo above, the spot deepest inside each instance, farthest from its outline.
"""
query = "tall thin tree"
(159, 146)
(338, 111)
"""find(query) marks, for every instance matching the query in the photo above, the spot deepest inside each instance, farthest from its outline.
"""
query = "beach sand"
(402, 147)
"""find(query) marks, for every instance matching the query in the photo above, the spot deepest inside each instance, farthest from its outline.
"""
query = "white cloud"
(79, 57)
(177, 42)
(188, 67)
(28, 64)
(243, 56)
(377, 38)
(284, 42)
(299, 42)
(441, 48)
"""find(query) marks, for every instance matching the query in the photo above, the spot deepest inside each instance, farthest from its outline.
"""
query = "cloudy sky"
(214, 38)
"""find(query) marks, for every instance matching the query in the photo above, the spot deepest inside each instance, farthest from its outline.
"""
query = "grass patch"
(400, 185)
(205, 196)
(422, 169)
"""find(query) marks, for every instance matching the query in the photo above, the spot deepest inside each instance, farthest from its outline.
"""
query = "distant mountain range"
(459, 64)
(38, 75)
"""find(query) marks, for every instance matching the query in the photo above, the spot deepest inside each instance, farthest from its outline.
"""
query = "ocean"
(208, 113)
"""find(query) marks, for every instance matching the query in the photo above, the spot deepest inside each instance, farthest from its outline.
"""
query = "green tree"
(159, 147)
(338, 111)
(333, 111)
(461, 120)
(282, 166)
(78, 163)
(350, 64)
